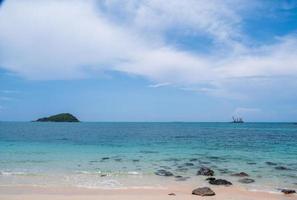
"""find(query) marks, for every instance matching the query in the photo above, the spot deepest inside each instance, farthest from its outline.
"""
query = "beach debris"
(203, 191)
(205, 171)
(220, 182)
(172, 194)
(240, 174)
(281, 168)
(163, 172)
(270, 163)
(288, 191)
(246, 180)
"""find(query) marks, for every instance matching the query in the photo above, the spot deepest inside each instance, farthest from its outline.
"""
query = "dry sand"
(51, 193)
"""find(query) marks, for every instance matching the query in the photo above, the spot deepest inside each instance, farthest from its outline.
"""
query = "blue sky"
(149, 60)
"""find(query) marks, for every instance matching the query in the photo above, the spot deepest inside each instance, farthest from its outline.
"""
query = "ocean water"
(123, 155)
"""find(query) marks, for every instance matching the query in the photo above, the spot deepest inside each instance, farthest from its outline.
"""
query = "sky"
(149, 60)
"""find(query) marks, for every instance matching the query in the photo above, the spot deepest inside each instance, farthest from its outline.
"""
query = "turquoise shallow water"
(124, 154)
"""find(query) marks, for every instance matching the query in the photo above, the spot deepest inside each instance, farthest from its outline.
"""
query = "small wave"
(89, 172)
(133, 173)
(8, 173)
(106, 184)
(264, 190)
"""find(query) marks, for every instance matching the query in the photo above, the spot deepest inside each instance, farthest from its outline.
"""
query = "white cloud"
(159, 85)
(66, 39)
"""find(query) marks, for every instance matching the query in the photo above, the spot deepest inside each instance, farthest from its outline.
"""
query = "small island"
(63, 117)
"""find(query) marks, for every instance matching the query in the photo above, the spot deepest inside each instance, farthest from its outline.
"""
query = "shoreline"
(65, 193)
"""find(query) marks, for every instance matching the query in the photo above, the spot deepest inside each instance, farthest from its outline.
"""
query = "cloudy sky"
(149, 60)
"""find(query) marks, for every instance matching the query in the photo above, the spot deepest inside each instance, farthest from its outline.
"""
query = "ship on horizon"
(237, 120)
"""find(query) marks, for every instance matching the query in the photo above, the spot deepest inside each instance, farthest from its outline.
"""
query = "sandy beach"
(51, 193)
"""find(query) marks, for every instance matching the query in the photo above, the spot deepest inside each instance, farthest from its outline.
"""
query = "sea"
(111, 155)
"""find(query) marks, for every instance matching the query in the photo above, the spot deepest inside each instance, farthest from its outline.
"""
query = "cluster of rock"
(205, 171)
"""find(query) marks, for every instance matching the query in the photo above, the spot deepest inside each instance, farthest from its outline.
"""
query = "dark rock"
(172, 194)
(281, 168)
(162, 172)
(105, 158)
(189, 164)
(251, 163)
(220, 182)
(204, 171)
(103, 175)
(210, 179)
(204, 191)
(165, 167)
(148, 152)
(193, 159)
(287, 191)
(270, 163)
(246, 180)
(241, 174)
(135, 160)
(204, 162)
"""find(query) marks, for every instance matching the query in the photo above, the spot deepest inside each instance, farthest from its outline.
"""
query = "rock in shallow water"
(270, 163)
(162, 172)
(241, 174)
(203, 191)
(287, 191)
(205, 171)
(246, 180)
(210, 179)
(281, 168)
(220, 182)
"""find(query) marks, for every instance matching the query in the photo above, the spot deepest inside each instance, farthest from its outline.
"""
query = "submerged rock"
(288, 191)
(189, 164)
(246, 180)
(203, 191)
(220, 182)
(193, 159)
(270, 163)
(251, 163)
(281, 168)
(224, 171)
(205, 171)
(241, 174)
(163, 172)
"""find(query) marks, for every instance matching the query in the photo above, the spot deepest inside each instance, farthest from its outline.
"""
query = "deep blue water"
(121, 149)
